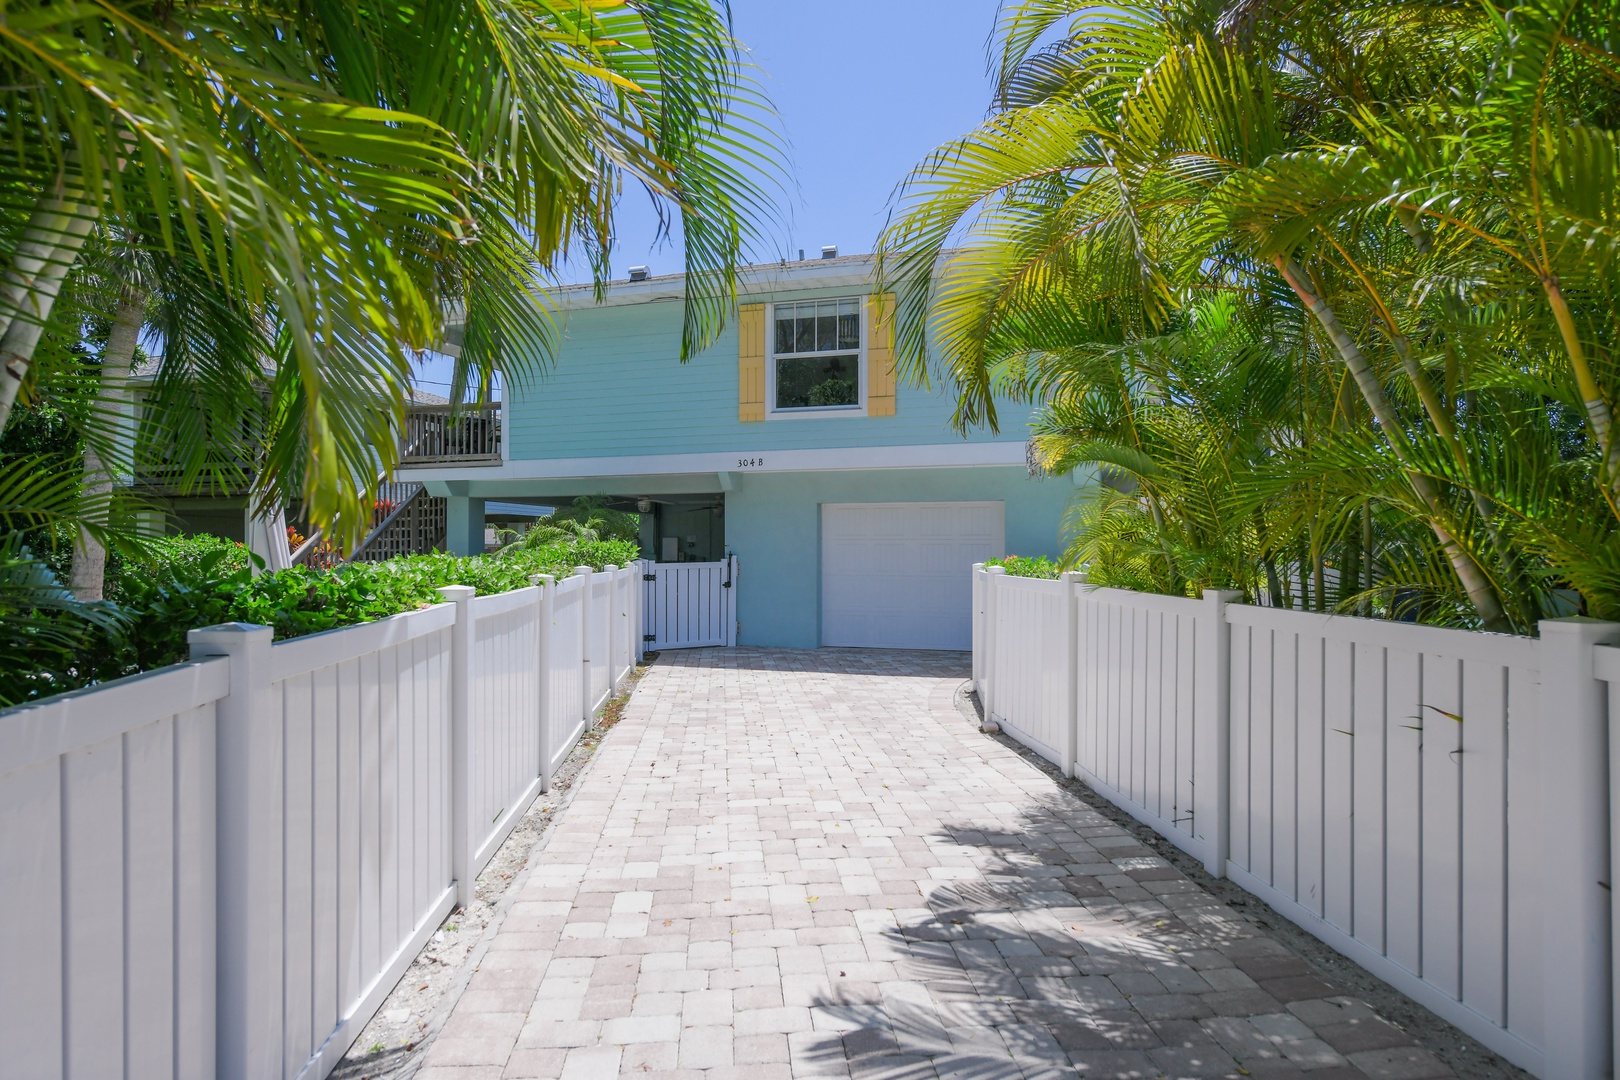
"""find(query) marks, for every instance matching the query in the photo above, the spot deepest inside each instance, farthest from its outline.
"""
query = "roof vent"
(640, 273)
(829, 251)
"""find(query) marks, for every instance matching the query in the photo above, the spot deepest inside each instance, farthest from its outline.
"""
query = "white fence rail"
(1433, 803)
(223, 867)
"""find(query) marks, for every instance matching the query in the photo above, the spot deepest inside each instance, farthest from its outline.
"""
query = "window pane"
(804, 339)
(849, 324)
(826, 327)
(820, 382)
(784, 328)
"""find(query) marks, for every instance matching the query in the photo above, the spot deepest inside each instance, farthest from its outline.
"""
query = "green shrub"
(179, 585)
(834, 392)
(1019, 566)
(183, 555)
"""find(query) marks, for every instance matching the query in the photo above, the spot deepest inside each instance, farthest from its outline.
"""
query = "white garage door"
(895, 575)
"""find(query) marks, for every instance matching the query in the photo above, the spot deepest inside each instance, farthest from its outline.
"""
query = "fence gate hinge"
(649, 637)
(649, 577)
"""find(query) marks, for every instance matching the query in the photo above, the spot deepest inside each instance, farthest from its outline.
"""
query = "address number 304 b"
(750, 462)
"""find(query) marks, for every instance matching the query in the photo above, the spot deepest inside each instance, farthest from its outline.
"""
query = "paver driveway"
(809, 864)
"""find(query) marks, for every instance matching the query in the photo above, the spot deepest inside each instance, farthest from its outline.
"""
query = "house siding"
(773, 525)
(619, 414)
(619, 390)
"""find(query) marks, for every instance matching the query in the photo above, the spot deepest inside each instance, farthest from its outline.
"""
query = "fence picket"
(1442, 822)
(1286, 819)
(1340, 748)
(1402, 840)
(1311, 782)
(1484, 844)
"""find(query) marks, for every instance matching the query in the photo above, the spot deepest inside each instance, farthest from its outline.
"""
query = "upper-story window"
(817, 356)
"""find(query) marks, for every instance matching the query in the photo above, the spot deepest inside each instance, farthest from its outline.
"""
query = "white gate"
(690, 605)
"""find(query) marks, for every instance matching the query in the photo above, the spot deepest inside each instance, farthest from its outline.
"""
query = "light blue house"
(853, 509)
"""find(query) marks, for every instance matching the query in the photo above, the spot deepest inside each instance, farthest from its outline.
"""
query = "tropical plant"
(44, 629)
(1023, 566)
(594, 512)
(367, 182)
(1405, 210)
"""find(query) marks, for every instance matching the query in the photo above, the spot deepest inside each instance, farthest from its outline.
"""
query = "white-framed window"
(816, 358)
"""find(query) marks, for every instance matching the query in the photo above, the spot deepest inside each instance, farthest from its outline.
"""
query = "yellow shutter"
(751, 362)
(880, 355)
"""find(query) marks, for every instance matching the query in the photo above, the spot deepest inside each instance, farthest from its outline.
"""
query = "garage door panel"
(895, 575)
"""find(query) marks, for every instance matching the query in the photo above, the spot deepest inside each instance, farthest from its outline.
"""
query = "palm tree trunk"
(47, 250)
(1436, 409)
(1597, 408)
(89, 556)
(1469, 573)
(1368, 568)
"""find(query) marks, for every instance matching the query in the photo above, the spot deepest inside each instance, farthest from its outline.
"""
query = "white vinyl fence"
(1432, 803)
(221, 868)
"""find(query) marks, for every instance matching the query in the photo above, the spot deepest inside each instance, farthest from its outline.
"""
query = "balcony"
(452, 435)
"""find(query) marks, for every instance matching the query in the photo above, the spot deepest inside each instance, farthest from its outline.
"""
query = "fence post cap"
(226, 637)
(1078, 577)
(457, 594)
(1225, 596)
(543, 580)
(995, 569)
(610, 568)
(583, 571)
(1582, 626)
(978, 566)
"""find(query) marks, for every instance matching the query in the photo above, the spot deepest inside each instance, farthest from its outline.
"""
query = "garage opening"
(896, 575)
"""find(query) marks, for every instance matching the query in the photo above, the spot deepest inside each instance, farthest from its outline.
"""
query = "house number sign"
(750, 462)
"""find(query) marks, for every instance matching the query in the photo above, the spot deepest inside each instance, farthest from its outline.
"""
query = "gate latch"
(649, 577)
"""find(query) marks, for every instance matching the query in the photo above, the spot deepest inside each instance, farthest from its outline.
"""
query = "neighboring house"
(853, 509)
(408, 520)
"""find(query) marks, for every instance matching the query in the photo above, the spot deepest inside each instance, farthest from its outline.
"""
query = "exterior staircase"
(413, 525)
(409, 521)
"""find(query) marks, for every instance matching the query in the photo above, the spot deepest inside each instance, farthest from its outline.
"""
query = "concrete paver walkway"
(789, 864)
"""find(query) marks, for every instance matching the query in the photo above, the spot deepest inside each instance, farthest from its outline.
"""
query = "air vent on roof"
(640, 273)
(830, 251)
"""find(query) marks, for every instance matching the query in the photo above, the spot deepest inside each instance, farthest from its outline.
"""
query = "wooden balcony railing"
(449, 435)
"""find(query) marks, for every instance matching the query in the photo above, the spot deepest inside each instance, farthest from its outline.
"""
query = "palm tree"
(366, 177)
(1287, 158)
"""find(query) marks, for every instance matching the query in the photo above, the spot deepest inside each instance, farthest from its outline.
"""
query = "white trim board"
(830, 459)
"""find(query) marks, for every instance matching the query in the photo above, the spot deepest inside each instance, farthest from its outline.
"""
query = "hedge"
(189, 582)
(1020, 566)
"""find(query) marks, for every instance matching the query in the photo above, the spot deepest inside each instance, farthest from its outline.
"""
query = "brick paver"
(807, 864)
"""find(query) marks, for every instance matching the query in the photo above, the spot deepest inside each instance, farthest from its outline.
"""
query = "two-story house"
(853, 509)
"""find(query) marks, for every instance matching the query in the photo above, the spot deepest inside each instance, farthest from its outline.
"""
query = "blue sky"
(863, 89)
